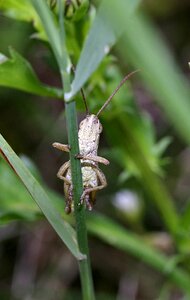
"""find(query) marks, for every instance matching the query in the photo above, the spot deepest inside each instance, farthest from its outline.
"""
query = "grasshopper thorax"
(89, 133)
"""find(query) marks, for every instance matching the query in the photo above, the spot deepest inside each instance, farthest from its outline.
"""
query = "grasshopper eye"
(95, 121)
(81, 123)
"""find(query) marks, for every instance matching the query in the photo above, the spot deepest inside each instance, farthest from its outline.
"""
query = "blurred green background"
(144, 137)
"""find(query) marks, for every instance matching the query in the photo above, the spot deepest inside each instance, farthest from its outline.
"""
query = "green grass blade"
(183, 239)
(15, 201)
(63, 229)
(80, 216)
(71, 117)
(144, 47)
(103, 35)
(117, 236)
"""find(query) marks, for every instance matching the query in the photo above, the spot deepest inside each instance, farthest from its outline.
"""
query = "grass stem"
(84, 265)
(56, 37)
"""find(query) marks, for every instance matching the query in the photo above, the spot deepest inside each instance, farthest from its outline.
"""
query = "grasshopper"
(92, 176)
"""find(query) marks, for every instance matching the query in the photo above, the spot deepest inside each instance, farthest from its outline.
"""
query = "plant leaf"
(102, 36)
(20, 10)
(16, 72)
(23, 10)
(63, 229)
(15, 202)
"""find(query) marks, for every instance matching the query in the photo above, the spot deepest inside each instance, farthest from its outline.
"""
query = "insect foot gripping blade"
(93, 178)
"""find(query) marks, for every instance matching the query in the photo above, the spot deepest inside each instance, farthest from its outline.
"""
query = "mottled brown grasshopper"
(93, 178)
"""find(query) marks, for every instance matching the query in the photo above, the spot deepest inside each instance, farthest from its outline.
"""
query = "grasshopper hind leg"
(88, 201)
(68, 198)
(91, 200)
(89, 193)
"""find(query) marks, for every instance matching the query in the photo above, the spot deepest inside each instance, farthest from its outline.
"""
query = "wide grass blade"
(63, 229)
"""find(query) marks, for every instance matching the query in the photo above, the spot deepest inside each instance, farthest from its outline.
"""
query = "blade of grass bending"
(71, 118)
(72, 128)
(63, 229)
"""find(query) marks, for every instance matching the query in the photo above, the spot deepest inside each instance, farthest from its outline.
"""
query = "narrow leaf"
(102, 36)
(16, 72)
(63, 229)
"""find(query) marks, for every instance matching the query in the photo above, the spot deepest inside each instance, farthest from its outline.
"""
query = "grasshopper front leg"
(62, 171)
(62, 147)
(95, 158)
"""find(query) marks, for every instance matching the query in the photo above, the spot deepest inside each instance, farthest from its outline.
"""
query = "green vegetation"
(104, 42)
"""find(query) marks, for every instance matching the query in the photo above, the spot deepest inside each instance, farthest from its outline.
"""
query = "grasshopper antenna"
(116, 90)
(82, 93)
(85, 102)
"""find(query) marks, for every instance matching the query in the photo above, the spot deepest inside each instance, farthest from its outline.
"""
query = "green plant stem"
(79, 210)
(50, 27)
(57, 41)
(84, 265)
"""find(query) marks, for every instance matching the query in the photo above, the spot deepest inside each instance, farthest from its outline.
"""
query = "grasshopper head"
(89, 131)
